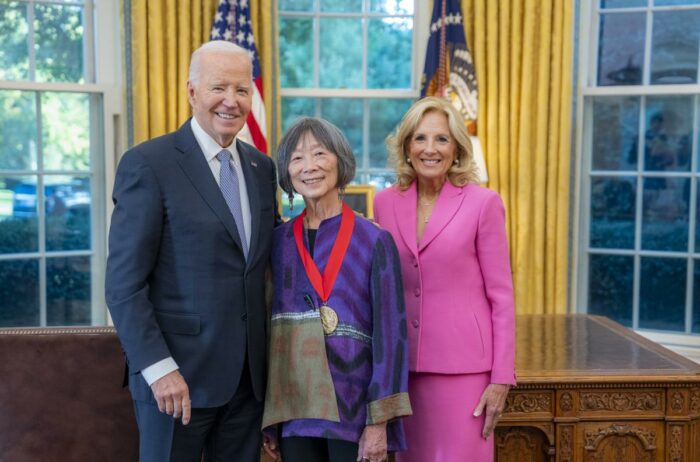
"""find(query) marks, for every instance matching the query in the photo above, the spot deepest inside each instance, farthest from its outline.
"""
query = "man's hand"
(493, 399)
(173, 396)
(372, 447)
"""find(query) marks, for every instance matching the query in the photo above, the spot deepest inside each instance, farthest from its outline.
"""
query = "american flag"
(232, 23)
(449, 69)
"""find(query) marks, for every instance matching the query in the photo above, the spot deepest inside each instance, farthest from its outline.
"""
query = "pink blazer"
(457, 281)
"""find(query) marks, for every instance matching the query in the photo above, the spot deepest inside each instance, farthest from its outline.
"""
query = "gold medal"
(329, 319)
(323, 285)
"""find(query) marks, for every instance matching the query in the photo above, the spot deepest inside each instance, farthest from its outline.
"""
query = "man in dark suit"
(189, 244)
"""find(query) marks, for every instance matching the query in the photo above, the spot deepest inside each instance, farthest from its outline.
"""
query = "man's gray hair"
(215, 46)
(329, 136)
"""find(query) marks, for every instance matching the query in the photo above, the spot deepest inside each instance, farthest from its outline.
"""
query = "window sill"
(683, 344)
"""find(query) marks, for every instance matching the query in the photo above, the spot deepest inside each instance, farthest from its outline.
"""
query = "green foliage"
(65, 130)
(296, 52)
(5, 202)
(68, 291)
(384, 116)
(19, 293)
(346, 113)
(17, 130)
(389, 53)
(344, 6)
(59, 43)
(296, 5)
(18, 235)
(14, 54)
(392, 6)
(341, 53)
(340, 66)
(66, 139)
(293, 108)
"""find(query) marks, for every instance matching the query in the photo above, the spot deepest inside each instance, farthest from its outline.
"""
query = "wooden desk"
(590, 390)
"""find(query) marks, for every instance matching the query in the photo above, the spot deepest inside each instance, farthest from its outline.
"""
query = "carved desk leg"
(565, 442)
(526, 432)
(677, 442)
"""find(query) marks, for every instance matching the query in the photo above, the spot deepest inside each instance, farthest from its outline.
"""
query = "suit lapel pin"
(254, 164)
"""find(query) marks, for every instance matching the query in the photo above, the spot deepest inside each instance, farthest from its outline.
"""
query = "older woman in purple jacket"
(338, 350)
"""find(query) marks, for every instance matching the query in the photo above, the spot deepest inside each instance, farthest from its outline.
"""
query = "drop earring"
(290, 198)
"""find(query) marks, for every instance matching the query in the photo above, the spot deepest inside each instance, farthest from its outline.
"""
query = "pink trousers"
(442, 427)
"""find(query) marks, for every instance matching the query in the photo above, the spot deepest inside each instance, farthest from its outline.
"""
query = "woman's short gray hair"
(214, 46)
(329, 136)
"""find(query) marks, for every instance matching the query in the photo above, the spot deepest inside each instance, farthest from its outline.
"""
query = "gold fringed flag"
(449, 70)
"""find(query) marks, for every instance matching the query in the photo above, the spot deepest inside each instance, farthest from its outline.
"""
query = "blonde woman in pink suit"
(452, 244)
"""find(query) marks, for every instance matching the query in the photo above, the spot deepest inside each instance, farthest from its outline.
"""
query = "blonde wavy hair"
(463, 172)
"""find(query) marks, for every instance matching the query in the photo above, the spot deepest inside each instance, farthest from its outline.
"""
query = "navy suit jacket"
(177, 282)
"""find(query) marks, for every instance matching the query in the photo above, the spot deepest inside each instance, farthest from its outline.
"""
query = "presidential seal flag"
(449, 69)
(232, 23)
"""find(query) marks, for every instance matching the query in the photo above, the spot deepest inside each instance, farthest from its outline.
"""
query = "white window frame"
(421, 32)
(103, 72)
(684, 343)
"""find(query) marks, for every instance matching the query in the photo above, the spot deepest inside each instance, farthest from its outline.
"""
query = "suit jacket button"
(416, 291)
(244, 317)
(415, 323)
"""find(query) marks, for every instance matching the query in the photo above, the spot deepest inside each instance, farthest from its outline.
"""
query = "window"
(53, 145)
(639, 234)
(353, 63)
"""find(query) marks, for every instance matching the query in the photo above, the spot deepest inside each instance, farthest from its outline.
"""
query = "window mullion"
(365, 46)
(638, 217)
(592, 78)
(364, 161)
(317, 50)
(40, 212)
(646, 75)
(98, 231)
(365, 140)
(89, 73)
(30, 41)
(693, 218)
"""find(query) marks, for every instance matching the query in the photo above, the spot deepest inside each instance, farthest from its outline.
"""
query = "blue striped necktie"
(228, 182)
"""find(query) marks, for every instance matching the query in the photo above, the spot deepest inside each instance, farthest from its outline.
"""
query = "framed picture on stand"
(360, 198)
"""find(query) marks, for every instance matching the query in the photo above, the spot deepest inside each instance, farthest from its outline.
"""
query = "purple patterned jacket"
(332, 386)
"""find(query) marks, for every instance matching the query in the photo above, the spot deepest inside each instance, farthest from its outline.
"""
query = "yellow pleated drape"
(523, 58)
(164, 35)
(263, 15)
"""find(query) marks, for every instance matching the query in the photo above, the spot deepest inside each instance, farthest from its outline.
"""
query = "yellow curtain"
(523, 58)
(263, 15)
(164, 35)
